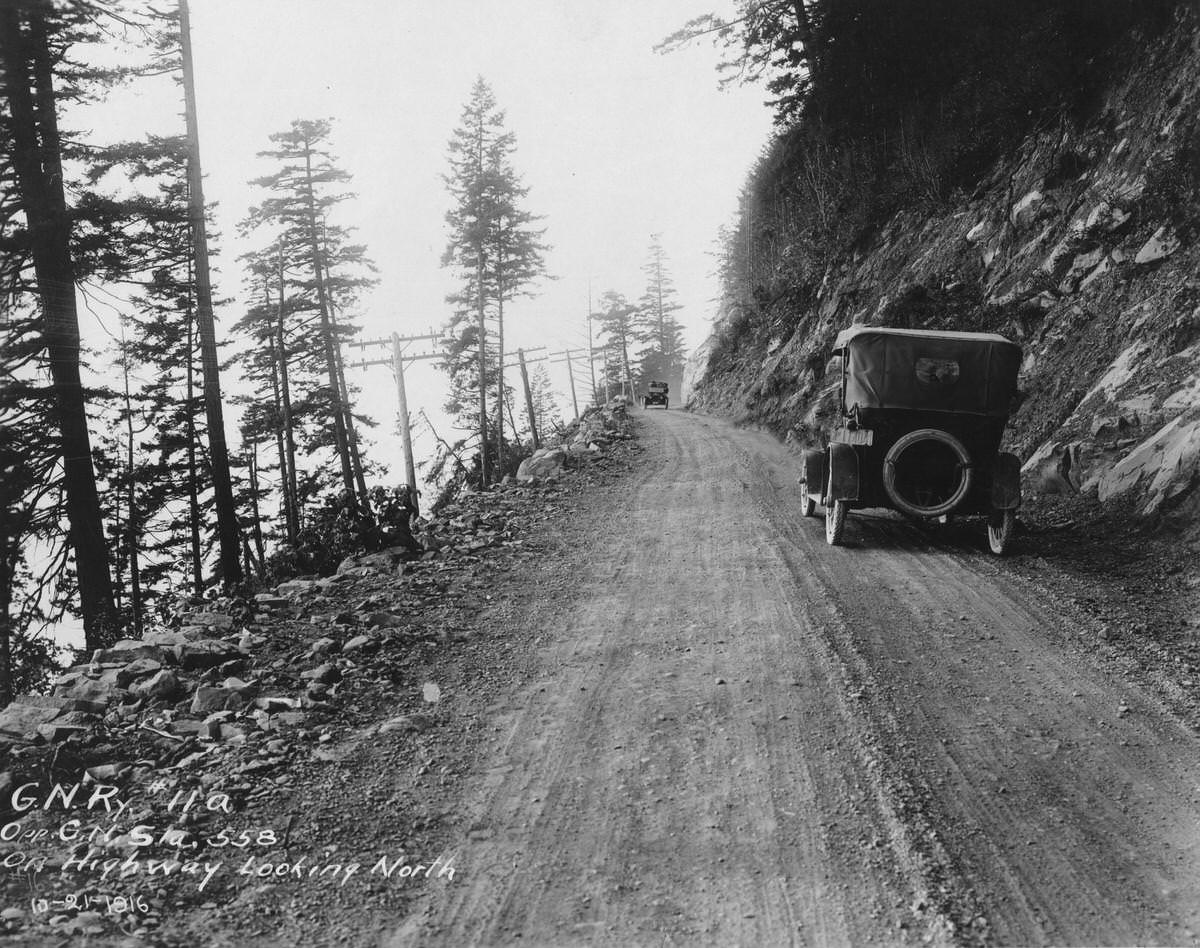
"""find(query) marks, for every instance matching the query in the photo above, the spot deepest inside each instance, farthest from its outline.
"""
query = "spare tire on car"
(927, 473)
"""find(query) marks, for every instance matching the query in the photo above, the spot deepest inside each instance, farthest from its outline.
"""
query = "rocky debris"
(210, 699)
(357, 644)
(1029, 210)
(246, 697)
(417, 723)
(210, 659)
(323, 674)
(1162, 469)
(1162, 244)
(373, 562)
(21, 720)
(543, 463)
(163, 684)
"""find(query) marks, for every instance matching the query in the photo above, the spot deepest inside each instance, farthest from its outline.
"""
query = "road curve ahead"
(739, 735)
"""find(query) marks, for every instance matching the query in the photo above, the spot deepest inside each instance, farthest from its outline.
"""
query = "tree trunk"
(6, 630)
(479, 271)
(804, 31)
(288, 471)
(500, 394)
(483, 422)
(625, 360)
(197, 561)
(259, 545)
(288, 465)
(218, 452)
(344, 392)
(135, 572)
(351, 434)
(285, 493)
(339, 419)
(37, 160)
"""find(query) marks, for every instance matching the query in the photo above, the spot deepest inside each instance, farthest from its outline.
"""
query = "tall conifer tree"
(657, 329)
(498, 252)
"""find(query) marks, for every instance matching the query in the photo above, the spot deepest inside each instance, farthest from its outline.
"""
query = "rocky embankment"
(1082, 247)
(200, 730)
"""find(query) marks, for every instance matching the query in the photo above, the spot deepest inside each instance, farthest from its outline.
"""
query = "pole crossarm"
(397, 361)
(423, 355)
(406, 358)
(364, 343)
(517, 365)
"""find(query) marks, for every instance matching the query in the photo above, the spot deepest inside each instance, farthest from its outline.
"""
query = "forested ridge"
(1027, 169)
(164, 437)
(883, 105)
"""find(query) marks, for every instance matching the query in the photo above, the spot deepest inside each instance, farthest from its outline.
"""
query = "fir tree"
(498, 253)
(31, 41)
(617, 319)
(301, 197)
(657, 329)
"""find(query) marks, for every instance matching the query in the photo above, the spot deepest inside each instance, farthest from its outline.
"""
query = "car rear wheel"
(1000, 530)
(835, 521)
(808, 506)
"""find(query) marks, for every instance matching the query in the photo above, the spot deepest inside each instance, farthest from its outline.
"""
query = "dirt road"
(738, 735)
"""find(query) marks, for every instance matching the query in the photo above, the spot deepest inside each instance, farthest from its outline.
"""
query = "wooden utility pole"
(591, 349)
(569, 360)
(398, 358)
(570, 364)
(410, 467)
(571, 375)
(625, 359)
(528, 400)
(218, 451)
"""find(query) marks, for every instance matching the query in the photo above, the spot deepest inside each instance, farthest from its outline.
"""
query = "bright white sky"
(614, 141)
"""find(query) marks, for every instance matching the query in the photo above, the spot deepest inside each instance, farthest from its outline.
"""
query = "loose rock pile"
(200, 677)
(593, 435)
(232, 695)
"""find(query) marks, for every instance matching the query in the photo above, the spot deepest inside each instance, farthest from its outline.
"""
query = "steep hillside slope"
(1081, 246)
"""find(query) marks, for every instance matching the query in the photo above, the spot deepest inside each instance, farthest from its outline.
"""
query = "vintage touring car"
(922, 416)
(656, 394)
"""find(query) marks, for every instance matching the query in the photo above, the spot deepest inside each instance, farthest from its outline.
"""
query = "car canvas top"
(959, 372)
(846, 335)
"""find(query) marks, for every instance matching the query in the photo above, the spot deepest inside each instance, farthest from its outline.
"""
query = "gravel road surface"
(736, 734)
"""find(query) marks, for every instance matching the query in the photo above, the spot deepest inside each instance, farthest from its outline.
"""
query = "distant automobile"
(656, 394)
(922, 417)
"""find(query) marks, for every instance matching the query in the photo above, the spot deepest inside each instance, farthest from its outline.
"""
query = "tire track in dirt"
(739, 735)
(1064, 798)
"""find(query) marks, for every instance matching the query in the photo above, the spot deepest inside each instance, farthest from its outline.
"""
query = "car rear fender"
(1006, 482)
(812, 463)
(843, 472)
